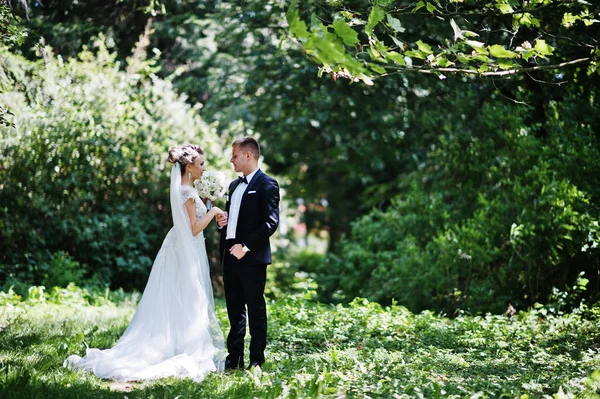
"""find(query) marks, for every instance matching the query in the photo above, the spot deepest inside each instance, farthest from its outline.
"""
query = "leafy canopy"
(484, 38)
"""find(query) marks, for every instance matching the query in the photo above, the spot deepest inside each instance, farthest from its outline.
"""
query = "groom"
(252, 216)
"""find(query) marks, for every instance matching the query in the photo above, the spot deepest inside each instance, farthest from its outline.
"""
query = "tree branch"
(494, 73)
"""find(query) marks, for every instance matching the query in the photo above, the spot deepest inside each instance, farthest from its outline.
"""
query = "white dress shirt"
(234, 207)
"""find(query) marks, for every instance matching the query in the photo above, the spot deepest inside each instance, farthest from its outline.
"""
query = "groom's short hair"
(248, 144)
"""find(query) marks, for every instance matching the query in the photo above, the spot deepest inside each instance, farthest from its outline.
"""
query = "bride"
(174, 331)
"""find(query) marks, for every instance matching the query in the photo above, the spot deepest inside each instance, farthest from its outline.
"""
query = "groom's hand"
(238, 251)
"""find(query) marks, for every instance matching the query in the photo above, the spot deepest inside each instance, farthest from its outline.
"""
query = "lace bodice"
(189, 192)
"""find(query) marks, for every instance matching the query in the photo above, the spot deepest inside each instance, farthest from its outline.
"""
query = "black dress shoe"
(253, 364)
(229, 365)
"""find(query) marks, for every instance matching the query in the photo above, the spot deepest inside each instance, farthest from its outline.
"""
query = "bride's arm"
(199, 224)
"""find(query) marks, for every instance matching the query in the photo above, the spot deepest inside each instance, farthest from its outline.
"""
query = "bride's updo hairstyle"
(185, 155)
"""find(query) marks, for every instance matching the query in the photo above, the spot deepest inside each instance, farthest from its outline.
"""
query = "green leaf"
(376, 15)
(542, 48)
(504, 8)
(527, 19)
(481, 57)
(506, 65)
(379, 69)
(582, 282)
(416, 54)
(375, 55)
(345, 32)
(316, 24)
(462, 58)
(395, 24)
(420, 5)
(443, 62)
(297, 27)
(396, 57)
(526, 55)
(334, 39)
(424, 47)
(398, 43)
(569, 20)
(430, 7)
(499, 51)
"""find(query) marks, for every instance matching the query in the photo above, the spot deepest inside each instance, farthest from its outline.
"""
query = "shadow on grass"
(239, 386)
(10, 341)
(26, 388)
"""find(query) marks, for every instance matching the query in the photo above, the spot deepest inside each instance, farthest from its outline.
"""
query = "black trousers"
(244, 288)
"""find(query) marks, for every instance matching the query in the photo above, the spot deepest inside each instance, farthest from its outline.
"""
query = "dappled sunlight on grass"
(315, 350)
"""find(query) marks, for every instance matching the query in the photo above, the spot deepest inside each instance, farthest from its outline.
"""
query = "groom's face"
(239, 159)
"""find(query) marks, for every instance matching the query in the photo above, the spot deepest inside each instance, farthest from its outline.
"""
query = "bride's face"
(198, 167)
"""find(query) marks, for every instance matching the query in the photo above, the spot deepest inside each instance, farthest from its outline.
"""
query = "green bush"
(84, 175)
(499, 214)
(62, 270)
(293, 273)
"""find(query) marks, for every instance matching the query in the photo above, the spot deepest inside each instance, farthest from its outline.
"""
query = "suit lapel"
(257, 177)
(253, 182)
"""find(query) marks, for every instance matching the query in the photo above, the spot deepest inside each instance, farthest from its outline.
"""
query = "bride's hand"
(221, 219)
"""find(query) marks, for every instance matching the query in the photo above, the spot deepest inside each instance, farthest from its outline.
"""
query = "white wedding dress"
(174, 331)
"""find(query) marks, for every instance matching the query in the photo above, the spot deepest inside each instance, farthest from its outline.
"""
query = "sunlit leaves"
(10, 30)
(542, 48)
(424, 47)
(430, 7)
(468, 49)
(297, 26)
(527, 20)
(96, 135)
(499, 51)
(504, 6)
(396, 57)
(359, 349)
(377, 14)
(348, 35)
(587, 17)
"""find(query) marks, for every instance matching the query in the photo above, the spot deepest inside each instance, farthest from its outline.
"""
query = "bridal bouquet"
(211, 185)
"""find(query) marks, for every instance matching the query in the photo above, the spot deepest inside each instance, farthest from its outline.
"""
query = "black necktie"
(243, 179)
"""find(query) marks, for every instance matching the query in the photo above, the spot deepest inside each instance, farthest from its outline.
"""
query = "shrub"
(84, 175)
(498, 215)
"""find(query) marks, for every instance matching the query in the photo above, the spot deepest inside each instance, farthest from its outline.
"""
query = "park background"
(439, 229)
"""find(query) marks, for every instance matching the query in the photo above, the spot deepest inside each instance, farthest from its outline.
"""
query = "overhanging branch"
(492, 73)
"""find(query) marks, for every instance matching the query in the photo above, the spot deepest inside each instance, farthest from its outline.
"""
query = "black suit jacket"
(258, 219)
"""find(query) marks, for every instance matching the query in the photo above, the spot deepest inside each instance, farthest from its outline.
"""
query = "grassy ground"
(359, 350)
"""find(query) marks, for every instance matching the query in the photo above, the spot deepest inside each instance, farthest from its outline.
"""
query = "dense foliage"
(84, 172)
(501, 203)
(499, 212)
(467, 191)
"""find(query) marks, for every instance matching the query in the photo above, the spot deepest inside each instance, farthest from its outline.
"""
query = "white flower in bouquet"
(211, 185)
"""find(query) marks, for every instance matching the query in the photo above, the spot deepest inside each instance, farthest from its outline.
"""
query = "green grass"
(315, 350)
